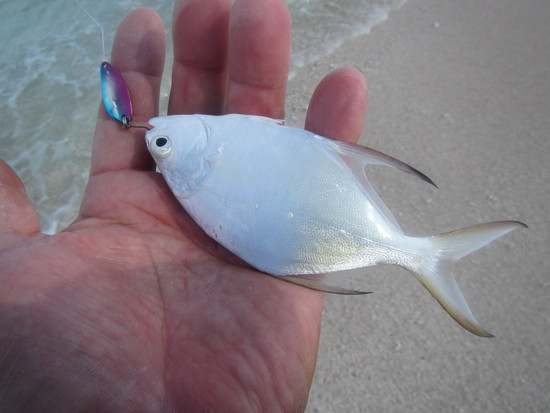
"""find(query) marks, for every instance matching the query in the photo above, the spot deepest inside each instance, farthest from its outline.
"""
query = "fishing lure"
(115, 93)
(114, 90)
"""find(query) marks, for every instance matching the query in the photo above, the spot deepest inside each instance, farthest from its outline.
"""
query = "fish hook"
(126, 122)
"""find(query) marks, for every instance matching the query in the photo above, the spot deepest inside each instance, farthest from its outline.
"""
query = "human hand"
(131, 307)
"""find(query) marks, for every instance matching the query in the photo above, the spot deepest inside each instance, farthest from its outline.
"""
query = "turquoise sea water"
(49, 83)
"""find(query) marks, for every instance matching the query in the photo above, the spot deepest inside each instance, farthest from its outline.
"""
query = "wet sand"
(460, 90)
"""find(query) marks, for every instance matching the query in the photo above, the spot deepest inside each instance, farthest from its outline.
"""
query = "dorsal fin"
(367, 156)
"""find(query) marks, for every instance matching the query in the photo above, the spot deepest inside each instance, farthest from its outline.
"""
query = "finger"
(138, 53)
(17, 214)
(259, 53)
(199, 75)
(337, 107)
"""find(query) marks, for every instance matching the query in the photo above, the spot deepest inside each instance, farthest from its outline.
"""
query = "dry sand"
(461, 90)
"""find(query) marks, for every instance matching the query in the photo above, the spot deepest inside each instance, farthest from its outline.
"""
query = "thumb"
(17, 214)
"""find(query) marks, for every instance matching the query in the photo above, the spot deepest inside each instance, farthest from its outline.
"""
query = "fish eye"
(161, 146)
(160, 142)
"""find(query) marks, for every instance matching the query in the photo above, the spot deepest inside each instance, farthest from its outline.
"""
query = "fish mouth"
(149, 138)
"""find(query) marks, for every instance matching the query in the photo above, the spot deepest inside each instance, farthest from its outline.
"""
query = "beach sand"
(460, 90)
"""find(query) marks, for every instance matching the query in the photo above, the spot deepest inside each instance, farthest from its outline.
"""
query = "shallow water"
(49, 87)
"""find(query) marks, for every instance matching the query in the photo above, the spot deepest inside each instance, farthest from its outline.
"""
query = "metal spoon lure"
(114, 90)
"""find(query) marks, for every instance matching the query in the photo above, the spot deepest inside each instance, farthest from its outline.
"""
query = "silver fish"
(297, 205)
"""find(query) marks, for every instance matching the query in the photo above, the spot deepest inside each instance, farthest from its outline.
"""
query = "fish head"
(177, 143)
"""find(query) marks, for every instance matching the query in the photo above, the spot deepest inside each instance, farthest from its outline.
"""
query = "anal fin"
(318, 282)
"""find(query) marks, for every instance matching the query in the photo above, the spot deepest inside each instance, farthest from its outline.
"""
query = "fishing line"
(98, 25)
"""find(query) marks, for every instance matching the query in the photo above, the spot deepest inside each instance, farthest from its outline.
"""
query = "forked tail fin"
(436, 272)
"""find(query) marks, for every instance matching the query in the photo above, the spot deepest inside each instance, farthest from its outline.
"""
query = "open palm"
(133, 308)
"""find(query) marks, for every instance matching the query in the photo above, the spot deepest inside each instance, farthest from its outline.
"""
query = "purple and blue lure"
(115, 93)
